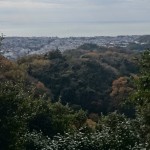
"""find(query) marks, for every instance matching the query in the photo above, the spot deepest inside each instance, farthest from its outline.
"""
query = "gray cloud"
(20, 14)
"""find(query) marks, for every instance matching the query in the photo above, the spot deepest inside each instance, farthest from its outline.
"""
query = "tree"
(114, 132)
(15, 108)
(141, 96)
(21, 113)
(1, 39)
(55, 54)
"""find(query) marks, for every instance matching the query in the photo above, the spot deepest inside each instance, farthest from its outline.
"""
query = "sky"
(65, 18)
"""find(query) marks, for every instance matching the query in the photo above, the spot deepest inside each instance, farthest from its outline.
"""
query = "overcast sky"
(74, 17)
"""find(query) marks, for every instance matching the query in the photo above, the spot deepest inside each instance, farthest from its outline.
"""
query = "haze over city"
(74, 17)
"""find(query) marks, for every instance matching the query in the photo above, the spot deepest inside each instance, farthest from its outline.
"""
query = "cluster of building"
(15, 47)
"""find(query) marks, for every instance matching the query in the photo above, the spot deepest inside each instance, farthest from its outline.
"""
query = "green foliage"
(89, 46)
(80, 77)
(21, 112)
(141, 96)
(122, 134)
(121, 89)
(55, 54)
(57, 118)
(28, 120)
(16, 108)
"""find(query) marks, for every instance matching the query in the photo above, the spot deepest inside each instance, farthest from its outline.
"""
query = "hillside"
(12, 72)
(42, 99)
(83, 78)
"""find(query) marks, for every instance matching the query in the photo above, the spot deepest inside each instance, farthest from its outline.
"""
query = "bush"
(122, 134)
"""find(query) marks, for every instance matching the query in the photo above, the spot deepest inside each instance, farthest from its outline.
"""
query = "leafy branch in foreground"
(22, 113)
(141, 96)
(123, 136)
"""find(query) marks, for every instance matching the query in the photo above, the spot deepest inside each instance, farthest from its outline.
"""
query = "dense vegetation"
(82, 77)
(42, 100)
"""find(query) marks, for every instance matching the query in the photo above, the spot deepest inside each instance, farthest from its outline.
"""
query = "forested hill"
(67, 100)
(91, 77)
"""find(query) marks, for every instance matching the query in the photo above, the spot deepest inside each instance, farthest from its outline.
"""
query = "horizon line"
(18, 36)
